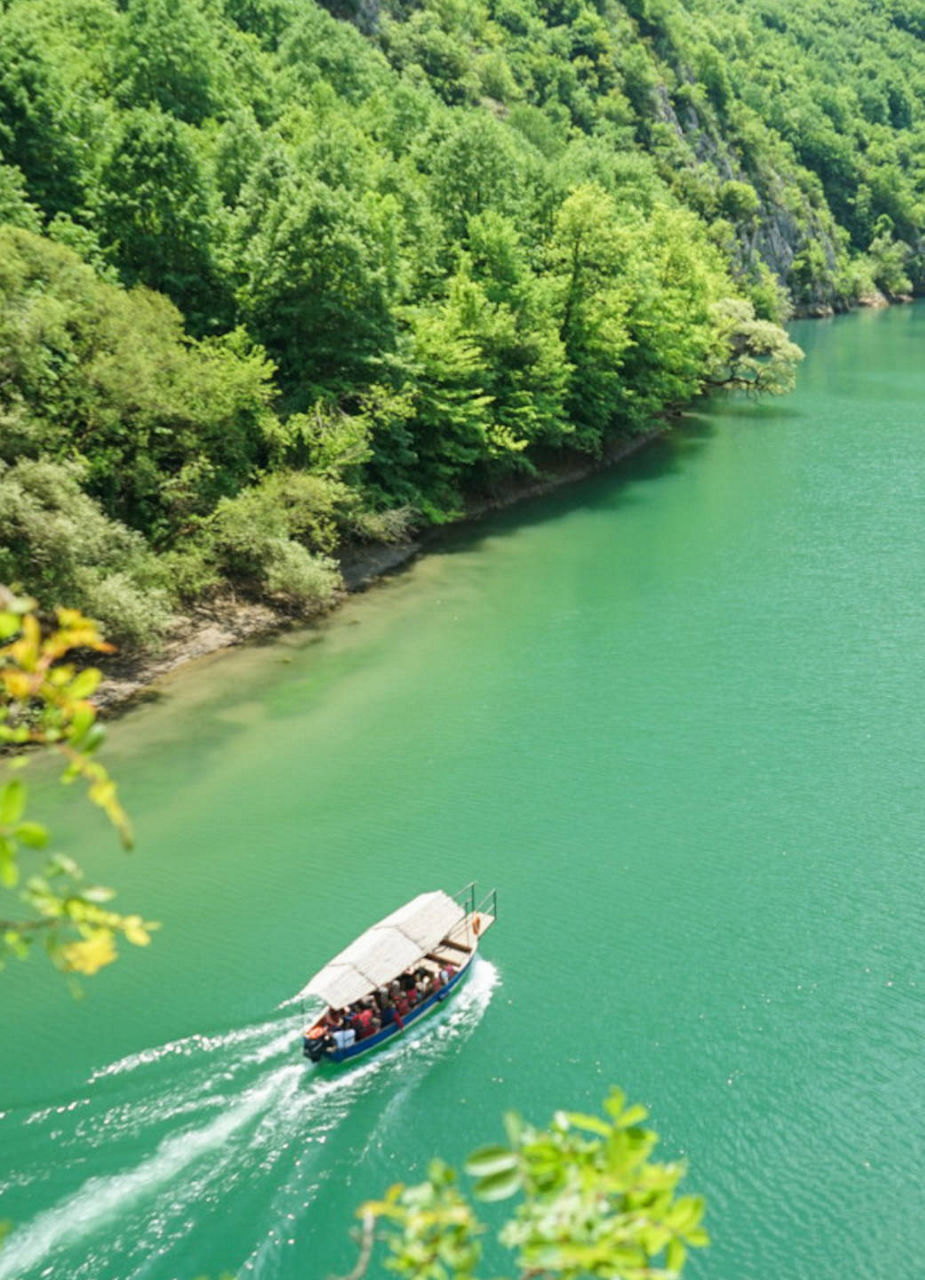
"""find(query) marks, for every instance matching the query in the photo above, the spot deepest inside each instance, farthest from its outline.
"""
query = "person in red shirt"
(367, 1024)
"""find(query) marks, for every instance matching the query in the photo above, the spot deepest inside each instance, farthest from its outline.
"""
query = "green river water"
(676, 715)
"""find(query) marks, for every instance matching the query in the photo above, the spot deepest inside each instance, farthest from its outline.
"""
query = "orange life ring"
(476, 924)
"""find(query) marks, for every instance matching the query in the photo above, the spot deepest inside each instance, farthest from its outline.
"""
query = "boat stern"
(314, 1045)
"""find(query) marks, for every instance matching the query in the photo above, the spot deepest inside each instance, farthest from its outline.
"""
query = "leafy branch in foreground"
(44, 701)
(593, 1203)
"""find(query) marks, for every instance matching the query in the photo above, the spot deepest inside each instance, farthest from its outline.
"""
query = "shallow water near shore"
(675, 714)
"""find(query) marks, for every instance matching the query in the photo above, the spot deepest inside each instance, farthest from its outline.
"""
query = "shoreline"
(229, 622)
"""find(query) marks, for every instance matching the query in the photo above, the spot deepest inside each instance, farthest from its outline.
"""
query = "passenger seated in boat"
(333, 1018)
(447, 971)
(407, 981)
(367, 1024)
(420, 983)
(342, 1037)
(400, 999)
(388, 1013)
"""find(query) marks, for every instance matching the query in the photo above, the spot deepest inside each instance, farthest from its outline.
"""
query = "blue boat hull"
(387, 1034)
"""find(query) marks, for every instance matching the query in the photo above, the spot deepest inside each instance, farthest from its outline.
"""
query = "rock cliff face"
(785, 232)
(780, 241)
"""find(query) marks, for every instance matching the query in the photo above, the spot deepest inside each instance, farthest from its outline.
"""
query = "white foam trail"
(47, 1113)
(406, 1063)
(202, 1085)
(311, 1002)
(187, 1047)
(100, 1199)
(270, 1113)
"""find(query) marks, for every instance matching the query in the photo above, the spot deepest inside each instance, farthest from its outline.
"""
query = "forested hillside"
(275, 278)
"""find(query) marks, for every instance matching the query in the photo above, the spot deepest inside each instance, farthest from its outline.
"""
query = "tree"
(157, 214)
(38, 117)
(752, 355)
(587, 252)
(44, 701)
(169, 57)
(15, 207)
(593, 1204)
(164, 427)
(889, 260)
(480, 165)
(451, 422)
(316, 282)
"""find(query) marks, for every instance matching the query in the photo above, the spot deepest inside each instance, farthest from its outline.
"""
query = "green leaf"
(32, 834)
(513, 1127)
(12, 802)
(9, 871)
(614, 1103)
(440, 1173)
(498, 1186)
(85, 683)
(632, 1116)
(63, 865)
(82, 719)
(93, 738)
(675, 1255)
(593, 1124)
(98, 894)
(688, 1211)
(488, 1160)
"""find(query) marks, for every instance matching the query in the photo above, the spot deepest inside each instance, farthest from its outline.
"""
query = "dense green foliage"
(592, 1203)
(273, 278)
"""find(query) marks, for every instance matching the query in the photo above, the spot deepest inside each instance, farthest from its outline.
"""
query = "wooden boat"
(433, 932)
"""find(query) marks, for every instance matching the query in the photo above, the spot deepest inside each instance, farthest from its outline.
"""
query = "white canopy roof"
(384, 951)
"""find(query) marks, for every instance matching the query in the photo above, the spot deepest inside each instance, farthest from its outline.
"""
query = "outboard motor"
(314, 1047)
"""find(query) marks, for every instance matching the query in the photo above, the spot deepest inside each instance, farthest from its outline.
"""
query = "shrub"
(57, 544)
(315, 506)
(133, 617)
(393, 525)
(167, 426)
(251, 539)
(298, 576)
(189, 573)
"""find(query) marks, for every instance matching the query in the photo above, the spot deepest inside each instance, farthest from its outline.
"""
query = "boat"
(434, 934)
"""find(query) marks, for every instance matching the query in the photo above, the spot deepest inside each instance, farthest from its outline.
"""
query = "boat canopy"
(386, 950)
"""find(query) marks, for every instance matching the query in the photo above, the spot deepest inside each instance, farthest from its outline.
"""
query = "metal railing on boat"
(466, 899)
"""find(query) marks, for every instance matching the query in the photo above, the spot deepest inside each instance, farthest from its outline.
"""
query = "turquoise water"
(675, 715)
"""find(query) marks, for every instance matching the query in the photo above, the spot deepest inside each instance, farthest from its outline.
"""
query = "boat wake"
(192, 1127)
